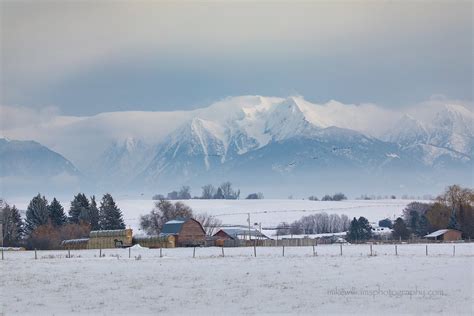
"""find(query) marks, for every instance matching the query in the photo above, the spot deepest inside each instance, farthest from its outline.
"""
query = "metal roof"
(437, 233)
(173, 226)
(236, 232)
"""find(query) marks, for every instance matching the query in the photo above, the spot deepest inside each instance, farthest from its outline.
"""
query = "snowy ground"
(299, 283)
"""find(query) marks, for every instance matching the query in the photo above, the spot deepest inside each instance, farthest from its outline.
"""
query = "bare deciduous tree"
(209, 222)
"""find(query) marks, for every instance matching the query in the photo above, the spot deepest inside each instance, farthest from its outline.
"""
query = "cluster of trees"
(359, 229)
(327, 197)
(315, 224)
(164, 211)
(46, 224)
(223, 192)
(184, 193)
(255, 196)
(209, 192)
(453, 209)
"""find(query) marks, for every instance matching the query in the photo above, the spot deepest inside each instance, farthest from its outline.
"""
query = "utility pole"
(248, 220)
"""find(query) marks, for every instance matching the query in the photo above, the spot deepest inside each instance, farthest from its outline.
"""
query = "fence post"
(194, 252)
(454, 250)
(371, 254)
(2, 253)
(161, 253)
(426, 249)
(36, 256)
(341, 248)
(222, 251)
(396, 250)
(69, 253)
(129, 252)
(283, 250)
(254, 249)
(314, 251)
(100, 252)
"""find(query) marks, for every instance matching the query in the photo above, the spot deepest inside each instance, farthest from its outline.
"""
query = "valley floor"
(298, 283)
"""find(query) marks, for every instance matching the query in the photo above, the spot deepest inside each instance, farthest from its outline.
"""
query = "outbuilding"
(445, 235)
(186, 231)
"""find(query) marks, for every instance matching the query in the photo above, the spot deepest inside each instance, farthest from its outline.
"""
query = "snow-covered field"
(299, 283)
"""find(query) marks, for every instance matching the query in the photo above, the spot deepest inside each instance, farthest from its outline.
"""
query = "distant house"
(445, 235)
(239, 233)
(187, 232)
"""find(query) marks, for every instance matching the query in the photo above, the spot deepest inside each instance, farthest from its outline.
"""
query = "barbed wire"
(299, 210)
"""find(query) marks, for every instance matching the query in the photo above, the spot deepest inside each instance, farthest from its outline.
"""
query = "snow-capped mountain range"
(265, 142)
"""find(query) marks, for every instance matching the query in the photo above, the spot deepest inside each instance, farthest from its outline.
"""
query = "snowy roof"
(437, 233)
(173, 226)
(75, 241)
(236, 232)
(109, 233)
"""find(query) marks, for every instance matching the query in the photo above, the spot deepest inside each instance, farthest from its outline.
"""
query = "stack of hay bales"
(75, 244)
(156, 241)
(110, 238)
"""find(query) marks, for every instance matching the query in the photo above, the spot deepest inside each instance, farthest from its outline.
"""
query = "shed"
(445, 235)
(186, 231)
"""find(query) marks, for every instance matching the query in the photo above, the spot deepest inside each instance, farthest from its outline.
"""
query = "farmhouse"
(239, 233)
(445, 235)
(187, 232)
(234, 237)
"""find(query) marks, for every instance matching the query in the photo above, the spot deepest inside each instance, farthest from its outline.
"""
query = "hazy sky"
(89, 57)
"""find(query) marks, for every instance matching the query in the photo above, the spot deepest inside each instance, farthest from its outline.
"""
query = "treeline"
(315, 224)
(454, 209)
(209, 192)
(46, 224)
(335, 197)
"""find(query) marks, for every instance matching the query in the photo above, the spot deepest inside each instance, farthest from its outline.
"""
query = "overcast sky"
(85, 57)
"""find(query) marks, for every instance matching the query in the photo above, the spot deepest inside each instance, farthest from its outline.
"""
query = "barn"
(445, 235)
(186, 231)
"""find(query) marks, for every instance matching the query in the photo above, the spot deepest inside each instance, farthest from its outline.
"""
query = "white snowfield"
(238, 283)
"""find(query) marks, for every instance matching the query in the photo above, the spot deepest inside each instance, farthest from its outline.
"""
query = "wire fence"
(331, 250)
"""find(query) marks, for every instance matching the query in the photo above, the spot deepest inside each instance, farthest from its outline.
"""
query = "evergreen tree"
(79, 210)
(364, 228)
(56, 213)
(359, 229)
(453, 223)
(94, 214)
(353, 233)
(12, 225)
(400, 229)
(37, 214)
(110, 214)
